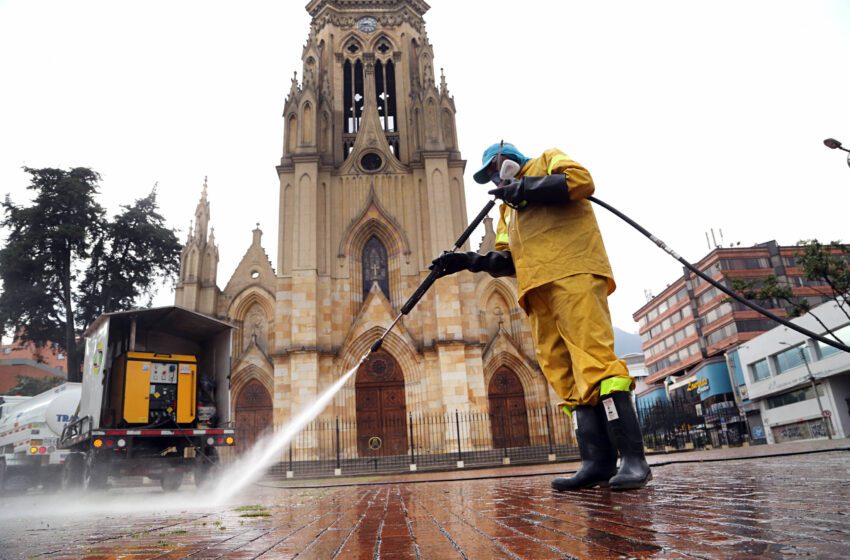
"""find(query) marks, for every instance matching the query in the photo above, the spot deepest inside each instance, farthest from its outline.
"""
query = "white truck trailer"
(155, 399)
(29, 431)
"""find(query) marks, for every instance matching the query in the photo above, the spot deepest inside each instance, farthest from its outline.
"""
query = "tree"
(822, 265)
(62, 254)
(31, 386)
(134, 254)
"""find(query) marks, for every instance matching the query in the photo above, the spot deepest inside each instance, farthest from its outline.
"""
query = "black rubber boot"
(598, 456)
(624, 428)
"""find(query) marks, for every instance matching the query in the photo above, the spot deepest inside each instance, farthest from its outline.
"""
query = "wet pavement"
(789, 506)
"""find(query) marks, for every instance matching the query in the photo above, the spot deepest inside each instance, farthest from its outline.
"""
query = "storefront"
(712, 387)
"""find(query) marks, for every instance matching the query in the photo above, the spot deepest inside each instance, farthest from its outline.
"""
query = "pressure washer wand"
(431, 278)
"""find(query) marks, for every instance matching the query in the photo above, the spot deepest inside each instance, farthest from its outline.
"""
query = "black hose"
(713, 282)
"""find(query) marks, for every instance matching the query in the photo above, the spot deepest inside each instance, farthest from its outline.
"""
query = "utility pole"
(826, 422)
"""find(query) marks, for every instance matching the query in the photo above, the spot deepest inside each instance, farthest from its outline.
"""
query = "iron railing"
(678, 424)
(428, 442)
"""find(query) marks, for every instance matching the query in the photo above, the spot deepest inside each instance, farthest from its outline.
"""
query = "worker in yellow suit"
(548, 237)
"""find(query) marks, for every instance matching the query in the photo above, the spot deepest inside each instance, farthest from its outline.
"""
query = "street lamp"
(834, 144)
(826, 423)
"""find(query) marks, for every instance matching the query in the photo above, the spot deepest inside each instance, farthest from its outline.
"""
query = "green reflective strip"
(615, 384)
(502, 238)
(555, 160)
(567, 410)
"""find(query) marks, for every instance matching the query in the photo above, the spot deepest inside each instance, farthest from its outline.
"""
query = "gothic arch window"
(448, 129)
(255, 328)
(375, 267)
(307, 125)
(497, 315)
(292, 133)
(353, 99)
(385, 89)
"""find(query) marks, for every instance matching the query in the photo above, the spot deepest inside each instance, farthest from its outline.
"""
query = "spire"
(444, 89)
(202, 216)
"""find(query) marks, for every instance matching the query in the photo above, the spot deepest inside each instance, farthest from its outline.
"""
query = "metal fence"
(428, 442)
(344, 446)
(681, 425)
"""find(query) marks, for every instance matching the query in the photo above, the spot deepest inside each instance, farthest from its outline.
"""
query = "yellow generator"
(155, 399)
(155, 388)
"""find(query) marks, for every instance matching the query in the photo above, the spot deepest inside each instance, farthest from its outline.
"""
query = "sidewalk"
(557, 469)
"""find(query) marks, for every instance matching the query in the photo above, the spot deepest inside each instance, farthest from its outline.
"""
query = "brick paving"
(748, 507)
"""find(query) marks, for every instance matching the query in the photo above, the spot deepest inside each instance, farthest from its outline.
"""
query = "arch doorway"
(254, 414)
(380, 406)
(508, 415)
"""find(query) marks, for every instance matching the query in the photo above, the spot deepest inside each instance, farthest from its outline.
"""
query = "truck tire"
(205, 466)
(171, 480)
(72, 471)
(95, 472)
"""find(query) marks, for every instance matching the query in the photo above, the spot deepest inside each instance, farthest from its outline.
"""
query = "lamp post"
(834, 144)
(826, 423)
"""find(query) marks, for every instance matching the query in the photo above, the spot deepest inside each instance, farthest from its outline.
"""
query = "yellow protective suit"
(564, 279)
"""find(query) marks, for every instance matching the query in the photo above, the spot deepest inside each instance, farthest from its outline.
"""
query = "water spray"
(250, 467)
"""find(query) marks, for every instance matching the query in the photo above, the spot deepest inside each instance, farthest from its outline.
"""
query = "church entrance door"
(508, 415)
(253, 415)
(381, 409)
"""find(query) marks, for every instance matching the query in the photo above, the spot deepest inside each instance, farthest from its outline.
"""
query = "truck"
(155, 399)
(30, 428)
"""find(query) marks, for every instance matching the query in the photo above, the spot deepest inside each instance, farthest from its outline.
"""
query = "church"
(371, 190)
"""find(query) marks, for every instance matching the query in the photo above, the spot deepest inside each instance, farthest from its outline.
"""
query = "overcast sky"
(691, 116)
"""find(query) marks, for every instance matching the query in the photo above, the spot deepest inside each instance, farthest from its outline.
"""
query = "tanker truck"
(155, 399)
(29, 431)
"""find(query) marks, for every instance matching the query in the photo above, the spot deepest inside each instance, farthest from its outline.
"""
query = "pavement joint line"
(356, 525)
(442, 529)
(376, 554)
(548, 473)
(369, 498)
(409, 524)
(499, 545)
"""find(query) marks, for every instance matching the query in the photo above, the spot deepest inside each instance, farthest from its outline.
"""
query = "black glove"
(496, 263)
(550, 189)
(450, 263)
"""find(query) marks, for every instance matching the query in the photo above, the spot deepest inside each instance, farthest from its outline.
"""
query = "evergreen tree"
(63, 263)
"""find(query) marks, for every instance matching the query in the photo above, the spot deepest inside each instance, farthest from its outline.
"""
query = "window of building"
(721, 334)
(375, 267)
(753, 325)
(760, 370)
(790, 358)
(803, 394)
(746, 263)
(843, 334)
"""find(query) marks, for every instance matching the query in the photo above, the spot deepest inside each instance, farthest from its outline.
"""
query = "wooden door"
(381, 409)
(508, 415)
(254, 415)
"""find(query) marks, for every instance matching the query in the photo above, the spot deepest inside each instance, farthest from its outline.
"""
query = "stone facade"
(371, 189)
